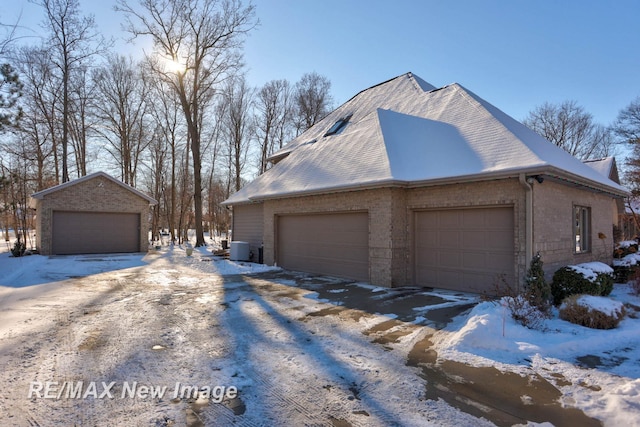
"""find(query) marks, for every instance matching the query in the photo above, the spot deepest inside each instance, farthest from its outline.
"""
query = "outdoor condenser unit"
(239, 251)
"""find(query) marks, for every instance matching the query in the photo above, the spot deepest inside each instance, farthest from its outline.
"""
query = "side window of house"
(582, 228)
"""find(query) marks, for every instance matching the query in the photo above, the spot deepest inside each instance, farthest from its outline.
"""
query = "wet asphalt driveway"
(480, 391)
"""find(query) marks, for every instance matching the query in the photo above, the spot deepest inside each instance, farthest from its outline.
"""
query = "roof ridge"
(42, 193)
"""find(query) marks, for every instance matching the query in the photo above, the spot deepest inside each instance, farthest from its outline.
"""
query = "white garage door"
(334, 244)
(464, 249)
(95, 232)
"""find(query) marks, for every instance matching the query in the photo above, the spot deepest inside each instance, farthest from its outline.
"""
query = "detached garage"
(93, 214)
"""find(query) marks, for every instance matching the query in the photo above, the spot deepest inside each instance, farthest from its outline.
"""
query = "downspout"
(528, 217)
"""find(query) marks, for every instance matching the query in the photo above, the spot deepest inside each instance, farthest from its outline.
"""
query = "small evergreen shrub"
(18, 249)
(581, 279)
(537, 290)
(577, 309)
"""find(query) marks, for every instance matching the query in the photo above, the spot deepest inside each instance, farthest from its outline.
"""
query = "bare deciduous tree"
(203, 37)
(238, 125)
(627, 128)
(273, 119)
(570, 127)
(627, 124)
(71, 38)
(165, 110)
(122, 109)
(312, 99)
(81, 126)
(40, 103)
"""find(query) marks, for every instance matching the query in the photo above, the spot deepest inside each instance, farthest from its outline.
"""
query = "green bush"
(18, 249)
(568, 281)
(605, 283)
(622, 273)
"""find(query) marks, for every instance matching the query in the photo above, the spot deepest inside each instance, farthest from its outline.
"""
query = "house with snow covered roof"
(409, 184)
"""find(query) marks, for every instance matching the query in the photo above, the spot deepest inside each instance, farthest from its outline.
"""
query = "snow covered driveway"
(165, 339)
(127, 326)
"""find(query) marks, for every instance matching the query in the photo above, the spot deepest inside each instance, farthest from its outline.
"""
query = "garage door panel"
(95, 232)
(502, 239)
(448, 275)
(449, 222)
(474, 261)
(431, 259)
(473, 247)
(499, 220)
(448, 238)
(474, 239)
(448, 259)
(334, 244)
(472, 219)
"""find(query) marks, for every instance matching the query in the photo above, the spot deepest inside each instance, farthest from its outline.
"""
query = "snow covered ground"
(296, 355)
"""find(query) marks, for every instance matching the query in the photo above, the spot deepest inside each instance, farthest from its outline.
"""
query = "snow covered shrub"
(523, 306)
(523, 312)
(593, 278)
(625, 260)
(592, 311)
(625, 248)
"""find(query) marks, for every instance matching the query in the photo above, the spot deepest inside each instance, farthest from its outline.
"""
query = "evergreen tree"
(537, 290)
(10, 91)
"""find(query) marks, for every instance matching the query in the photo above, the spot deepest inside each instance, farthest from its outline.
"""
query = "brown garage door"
(331, 244)
(95, 232)
(464, 249)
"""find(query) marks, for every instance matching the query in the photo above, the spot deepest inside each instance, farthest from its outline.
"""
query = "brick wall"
(378, 203)
(391, 214)
(553, 225)
(98, 194)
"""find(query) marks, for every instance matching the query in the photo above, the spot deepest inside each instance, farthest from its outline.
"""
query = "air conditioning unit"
(239, 251)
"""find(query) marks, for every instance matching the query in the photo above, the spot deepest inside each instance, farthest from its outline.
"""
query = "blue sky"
(516, 54)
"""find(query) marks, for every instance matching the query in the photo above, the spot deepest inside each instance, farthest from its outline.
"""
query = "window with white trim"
(582, 228)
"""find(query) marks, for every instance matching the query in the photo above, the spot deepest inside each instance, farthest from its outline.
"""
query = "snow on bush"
(592, 311)
(592, 278)
(628, 260)
(529, 306)
(590, 270)
(525, 313)
(627, 243)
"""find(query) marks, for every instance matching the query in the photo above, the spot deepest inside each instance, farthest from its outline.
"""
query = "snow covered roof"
(605, 166)
(40, 194)
(406, 132)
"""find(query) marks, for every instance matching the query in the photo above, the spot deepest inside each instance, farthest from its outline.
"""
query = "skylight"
(338, 126)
